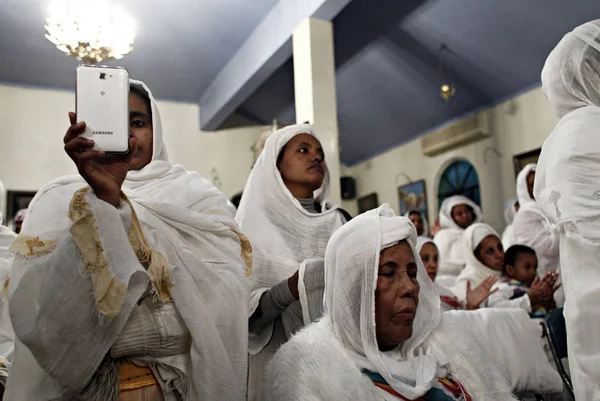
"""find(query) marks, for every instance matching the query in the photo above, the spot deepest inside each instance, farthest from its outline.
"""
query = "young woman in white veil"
(129, 279)
(285, 213)
(456, 214)
(567, 189)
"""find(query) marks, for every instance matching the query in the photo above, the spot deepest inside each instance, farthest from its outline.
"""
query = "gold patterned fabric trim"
(5, 287)
(246, 252)
(133, 377)
(108, 292)
(27, 246)
(153, 261)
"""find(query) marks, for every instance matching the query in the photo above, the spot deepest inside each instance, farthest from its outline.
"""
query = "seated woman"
(430, 258)
(129, 279)
(285, 213)
(520, 287)
(530, 226)
(456, 214)
(382, 336)
(420, 222)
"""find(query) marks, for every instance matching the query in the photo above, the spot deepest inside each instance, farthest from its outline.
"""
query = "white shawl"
(448, 239)
(508, 235)
(567, 188)
(475, 271)
(63, 339)
(324, 361)
(447, 298)
(531, 227)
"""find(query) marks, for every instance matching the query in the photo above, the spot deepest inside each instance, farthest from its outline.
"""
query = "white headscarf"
(508, 235)
(351, 268)
(526, 202)
(283, 234)
(510, 211)
(425, 232)
(186, 217)
(447, 297)
(448, 238)
(566, 184)
(475, 271)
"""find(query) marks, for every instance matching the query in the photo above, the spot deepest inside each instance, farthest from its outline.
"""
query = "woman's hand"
(293, 285)
(104, 173)
(480, 293)
(540, 293)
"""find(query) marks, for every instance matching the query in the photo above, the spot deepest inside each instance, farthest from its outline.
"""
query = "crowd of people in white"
(135, 281)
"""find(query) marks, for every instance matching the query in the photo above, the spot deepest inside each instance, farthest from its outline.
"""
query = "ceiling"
(388, 69)
(386, 57)
(180, 45)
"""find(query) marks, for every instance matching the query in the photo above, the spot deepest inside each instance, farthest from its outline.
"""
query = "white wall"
(518, 125)
(34, 122)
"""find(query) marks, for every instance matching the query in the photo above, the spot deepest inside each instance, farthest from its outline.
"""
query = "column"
(315, 92)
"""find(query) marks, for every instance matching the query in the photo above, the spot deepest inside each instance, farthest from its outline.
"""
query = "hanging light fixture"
(91, 31)
(447, 89)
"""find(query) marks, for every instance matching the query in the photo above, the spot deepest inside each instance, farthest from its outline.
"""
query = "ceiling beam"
(265, 50)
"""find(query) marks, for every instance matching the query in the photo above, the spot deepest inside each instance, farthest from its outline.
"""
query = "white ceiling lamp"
(92, 31)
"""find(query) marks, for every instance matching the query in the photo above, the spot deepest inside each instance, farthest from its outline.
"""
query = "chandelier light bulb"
(91, 31)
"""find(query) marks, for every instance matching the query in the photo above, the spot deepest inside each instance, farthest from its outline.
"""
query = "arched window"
(459, 178)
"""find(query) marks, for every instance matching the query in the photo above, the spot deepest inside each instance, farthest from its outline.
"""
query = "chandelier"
(91, 31)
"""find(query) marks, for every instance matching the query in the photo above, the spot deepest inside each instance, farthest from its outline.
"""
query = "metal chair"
(555, 332)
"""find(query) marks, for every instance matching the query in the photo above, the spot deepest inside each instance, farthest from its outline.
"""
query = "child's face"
(525, 268)
(430, 256)
(462, 215)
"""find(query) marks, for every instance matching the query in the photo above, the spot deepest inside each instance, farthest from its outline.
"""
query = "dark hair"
(236, 199)
(415, 212)
(140, 92)
(280, 155)
(512, 253)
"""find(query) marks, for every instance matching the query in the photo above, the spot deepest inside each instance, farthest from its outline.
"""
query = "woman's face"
(417, 220)
(396, 296)
(530, 182)
(302, 166)
(140, 127)
(491, 253)
(462, 215)
(430, 256)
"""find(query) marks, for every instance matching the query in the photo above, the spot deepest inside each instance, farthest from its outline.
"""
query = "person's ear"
(510, 270)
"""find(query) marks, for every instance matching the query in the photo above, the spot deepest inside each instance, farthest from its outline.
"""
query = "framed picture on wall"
(526, 158)
(368, 202)
(17, 200)
(413, 196)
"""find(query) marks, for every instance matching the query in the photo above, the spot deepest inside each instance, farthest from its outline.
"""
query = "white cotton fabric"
(531, 227)
(425, 232)
(513, 344)
(63, 339)
(475, 271)
(508, 235)
(444, 292)
(7, 236)
(283, 235)
(567, 188)
(324, 361)
(448, 239)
